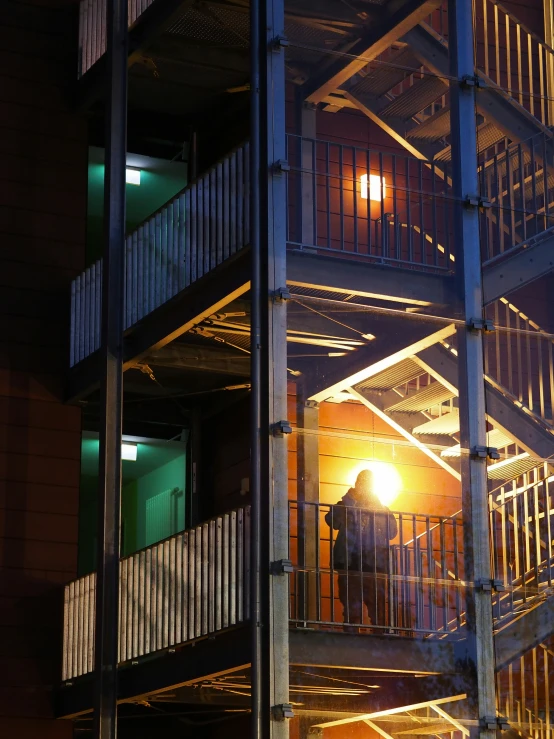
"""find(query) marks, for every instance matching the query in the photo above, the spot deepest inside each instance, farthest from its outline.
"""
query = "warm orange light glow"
(376, 189)
(387, 480)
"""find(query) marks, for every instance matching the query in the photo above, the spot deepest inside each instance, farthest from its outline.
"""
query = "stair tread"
(398, 374)
(439, 728)
(436, 127)
(415, 98)
(446, 425)
(511, 467)
(381, 79)
(433, 394)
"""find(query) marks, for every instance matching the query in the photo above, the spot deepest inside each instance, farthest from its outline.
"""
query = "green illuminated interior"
(153, 496)
(160, 180)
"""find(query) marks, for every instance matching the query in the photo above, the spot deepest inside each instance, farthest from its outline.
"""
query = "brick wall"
(42, 226)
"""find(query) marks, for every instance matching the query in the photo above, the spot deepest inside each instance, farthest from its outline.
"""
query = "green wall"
(160, 180)
(160, 469)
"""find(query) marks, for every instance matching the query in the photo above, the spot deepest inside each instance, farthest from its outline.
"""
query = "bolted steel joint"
(280, 166)
(488, 586)
(281, 428)
(472, 80)
(481, 324)
(282, 567)
(494, 723)
(485, 452)
(477, 201)
(279, 42)
(281, 295)
(282, 712)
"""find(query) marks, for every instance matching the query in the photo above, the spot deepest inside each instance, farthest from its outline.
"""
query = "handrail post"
(111, 388)
(549, 39)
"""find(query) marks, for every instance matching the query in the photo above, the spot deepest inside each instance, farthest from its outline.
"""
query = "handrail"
(400, 584)
(183, 588)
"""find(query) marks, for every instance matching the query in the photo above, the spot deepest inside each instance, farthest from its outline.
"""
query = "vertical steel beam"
(269, 593)
(111, 388)
(471, 367)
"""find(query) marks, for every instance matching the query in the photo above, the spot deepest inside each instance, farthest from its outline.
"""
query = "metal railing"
(193, 233)
(92, 29)
(514, 58)
(411, 586)
(368, 204)
(519, 358)
(510, 55)
(528, 704)
(517, 184)
(522, 531)
(184, 588)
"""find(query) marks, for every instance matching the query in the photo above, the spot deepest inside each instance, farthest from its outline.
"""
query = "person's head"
(364, 483)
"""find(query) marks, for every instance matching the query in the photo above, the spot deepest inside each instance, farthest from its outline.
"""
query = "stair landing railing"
(92, 29)
(510, 55)
(419, 592)
(368, 205)
(522, 531)
(185, 588)
(198, 229)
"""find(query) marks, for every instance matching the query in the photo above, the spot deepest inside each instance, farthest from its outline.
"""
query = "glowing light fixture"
(129, 452)
(375, 189)
(387, 481)
(132, 176)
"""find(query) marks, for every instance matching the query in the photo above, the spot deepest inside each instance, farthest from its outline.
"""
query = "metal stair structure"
(405, 91)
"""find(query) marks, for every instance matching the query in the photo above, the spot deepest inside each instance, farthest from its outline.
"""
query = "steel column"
(111, 387)
(471, 367)
(269, 452)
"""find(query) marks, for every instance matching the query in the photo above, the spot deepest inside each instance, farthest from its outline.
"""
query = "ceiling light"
(375, 189)
(132, 176)
(129, 452)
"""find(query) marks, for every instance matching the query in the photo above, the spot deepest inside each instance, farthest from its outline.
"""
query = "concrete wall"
(42, 233)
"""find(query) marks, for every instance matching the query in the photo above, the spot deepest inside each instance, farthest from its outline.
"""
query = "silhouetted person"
(361, 551)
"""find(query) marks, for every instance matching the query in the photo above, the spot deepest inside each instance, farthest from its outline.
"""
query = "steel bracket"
(282, 711)
(481, 324)
(472, 80)
(477, 201)
(281, 428)
(279, 42)
(488, 586)
(311, 404)
(494, 723)
(485, 452)
(281, 295)
(280, 166)
(282, 567)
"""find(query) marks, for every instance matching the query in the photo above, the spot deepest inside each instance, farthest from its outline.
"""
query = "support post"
(111, 387)
(308, 215)
(307, 415)
(269, 499)
(471, 367)
(549, 39)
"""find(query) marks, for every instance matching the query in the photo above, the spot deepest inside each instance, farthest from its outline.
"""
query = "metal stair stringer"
(536, 437)
(506, 113)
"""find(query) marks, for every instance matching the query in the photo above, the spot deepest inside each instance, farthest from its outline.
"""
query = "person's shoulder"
(348, 497)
